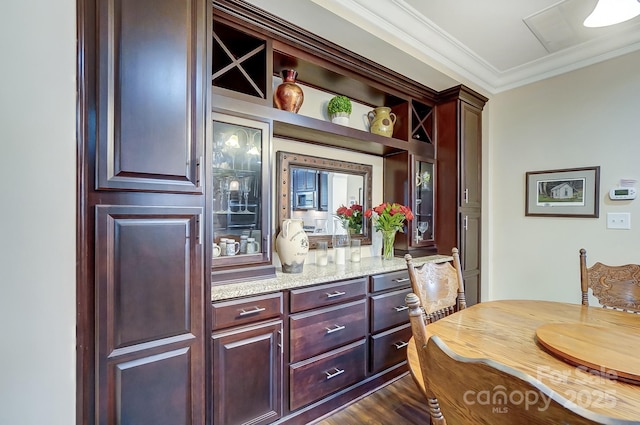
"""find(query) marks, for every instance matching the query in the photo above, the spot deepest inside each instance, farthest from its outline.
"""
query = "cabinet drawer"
(246, 310)
(388, 310)
(313, 379)
(323, 295)
(322, 330)
(389, 348)
(392, 280)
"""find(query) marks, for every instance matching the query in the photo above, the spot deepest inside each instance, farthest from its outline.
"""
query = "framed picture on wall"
(571, 192)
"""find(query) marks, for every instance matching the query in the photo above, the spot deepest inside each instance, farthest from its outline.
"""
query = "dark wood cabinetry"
(150, 94)
(153, 76)
(327, 340)
(247, 345)
(318, 347)
(149, 292)
(239, 189)
(143, 86)
(389, 321)
(409, 180)
(459, 161)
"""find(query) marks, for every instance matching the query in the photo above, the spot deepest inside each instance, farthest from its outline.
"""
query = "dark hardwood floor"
(399, 403)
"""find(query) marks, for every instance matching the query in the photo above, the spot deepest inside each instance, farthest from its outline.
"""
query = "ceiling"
(490, 45)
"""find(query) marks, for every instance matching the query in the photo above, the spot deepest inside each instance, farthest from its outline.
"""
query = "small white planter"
(341, 118)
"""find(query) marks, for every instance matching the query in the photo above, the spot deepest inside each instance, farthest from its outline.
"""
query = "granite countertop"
(313, 274)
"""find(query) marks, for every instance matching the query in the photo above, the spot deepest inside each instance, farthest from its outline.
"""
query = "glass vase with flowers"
(351, 218)
(389, 218)
(348, 221)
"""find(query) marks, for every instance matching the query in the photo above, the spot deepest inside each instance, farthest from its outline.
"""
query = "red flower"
(391, 216)
(351, 217)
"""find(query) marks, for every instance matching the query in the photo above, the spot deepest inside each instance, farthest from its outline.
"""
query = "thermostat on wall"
(622, 193)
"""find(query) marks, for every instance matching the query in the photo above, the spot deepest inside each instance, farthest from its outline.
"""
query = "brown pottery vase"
(288, 96)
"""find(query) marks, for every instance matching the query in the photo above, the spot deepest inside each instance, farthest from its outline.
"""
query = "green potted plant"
(339, 108)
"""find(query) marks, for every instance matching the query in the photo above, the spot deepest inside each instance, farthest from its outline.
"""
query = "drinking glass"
(423, 226)
(355, 250)
(246, 188)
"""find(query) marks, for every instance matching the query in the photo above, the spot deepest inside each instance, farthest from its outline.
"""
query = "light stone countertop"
(313, 274)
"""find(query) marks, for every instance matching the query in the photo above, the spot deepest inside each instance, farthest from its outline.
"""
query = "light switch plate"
(618, 220)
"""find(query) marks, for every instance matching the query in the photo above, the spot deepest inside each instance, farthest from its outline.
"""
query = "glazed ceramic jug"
(292, 245)
(381, 121)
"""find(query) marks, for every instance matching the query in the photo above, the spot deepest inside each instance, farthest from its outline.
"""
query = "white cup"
(243, 244)
(252, 246)
(216, 250)
(223, 246)
(233, 247)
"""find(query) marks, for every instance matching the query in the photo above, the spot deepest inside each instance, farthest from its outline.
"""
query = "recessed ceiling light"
(611, 12)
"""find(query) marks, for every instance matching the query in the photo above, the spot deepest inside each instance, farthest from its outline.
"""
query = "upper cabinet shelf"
(299, 127)
(251, 49)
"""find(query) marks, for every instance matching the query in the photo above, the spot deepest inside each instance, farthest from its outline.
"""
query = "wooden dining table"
(508, 332)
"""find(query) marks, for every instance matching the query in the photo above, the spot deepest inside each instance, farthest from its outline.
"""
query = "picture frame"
(570, 192)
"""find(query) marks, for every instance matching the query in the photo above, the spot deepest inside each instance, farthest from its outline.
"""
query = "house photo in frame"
(571, 192)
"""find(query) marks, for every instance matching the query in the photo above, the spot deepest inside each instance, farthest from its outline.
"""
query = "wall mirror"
(312, 189)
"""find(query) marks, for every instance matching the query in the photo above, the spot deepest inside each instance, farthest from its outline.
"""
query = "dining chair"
(470, 391)
(439, 286)
(616, 287)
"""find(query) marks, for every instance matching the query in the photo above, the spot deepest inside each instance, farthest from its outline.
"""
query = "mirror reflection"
(313, 189)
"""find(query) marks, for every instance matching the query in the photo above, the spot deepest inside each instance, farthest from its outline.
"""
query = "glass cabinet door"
(240, 184)
(423, 232)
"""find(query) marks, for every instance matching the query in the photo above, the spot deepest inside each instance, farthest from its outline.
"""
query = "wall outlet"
(618, 220)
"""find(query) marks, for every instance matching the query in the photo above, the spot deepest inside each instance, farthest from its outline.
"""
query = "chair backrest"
(439, 286)
(615, 287)
(466, 391)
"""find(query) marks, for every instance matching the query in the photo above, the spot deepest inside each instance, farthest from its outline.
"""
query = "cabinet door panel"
(470, 247)
(471, 156)
(154, 389)
(150, 313)
(472, 288)
(150, 119)
(247, 374)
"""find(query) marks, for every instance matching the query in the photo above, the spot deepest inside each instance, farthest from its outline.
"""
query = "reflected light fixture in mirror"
(611, 12)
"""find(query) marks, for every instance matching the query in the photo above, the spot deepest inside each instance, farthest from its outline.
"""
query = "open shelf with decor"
(252, 62)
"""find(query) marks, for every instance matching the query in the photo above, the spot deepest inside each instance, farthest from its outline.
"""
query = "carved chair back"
(616, 287)
(467, 391)
(439, 286)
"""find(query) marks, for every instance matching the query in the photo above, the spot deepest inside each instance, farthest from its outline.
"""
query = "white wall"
(585, 118)
(37, 218)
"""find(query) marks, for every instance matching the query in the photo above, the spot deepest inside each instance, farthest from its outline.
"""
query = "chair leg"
(434, 412)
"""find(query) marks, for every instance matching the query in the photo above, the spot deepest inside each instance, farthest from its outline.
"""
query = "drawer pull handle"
(400, 344)
(255, 310)
(335, 294)
(335, 329)
(334, 374)
(404, 279)
(401, 308)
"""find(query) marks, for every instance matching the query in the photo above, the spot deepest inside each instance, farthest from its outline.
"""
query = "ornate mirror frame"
(289, 160)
